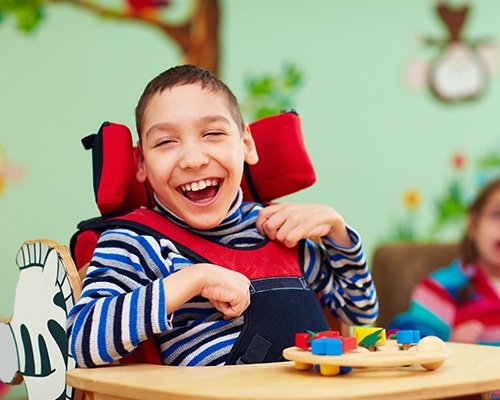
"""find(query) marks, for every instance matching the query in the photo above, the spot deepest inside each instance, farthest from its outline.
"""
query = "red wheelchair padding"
(114, 165)
(284, 166)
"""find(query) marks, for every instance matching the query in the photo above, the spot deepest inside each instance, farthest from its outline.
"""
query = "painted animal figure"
(33, 343)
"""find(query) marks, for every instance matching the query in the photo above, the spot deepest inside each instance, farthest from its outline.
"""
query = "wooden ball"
(430, 344)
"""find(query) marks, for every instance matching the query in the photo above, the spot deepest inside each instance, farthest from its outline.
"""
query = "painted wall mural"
(449, 207)
(196, 32)
(462, 66)
(459, 71)
(3, 390)
(194, 28)
(8, 172)
(269, 93)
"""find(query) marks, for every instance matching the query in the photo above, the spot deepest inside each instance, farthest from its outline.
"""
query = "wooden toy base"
(430, 353)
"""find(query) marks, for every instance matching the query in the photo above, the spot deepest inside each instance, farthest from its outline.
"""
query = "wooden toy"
(369, 337)
(336, 355)
(407, 338)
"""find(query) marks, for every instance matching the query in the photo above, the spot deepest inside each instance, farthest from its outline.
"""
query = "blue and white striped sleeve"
(342, 279)
(123, 300)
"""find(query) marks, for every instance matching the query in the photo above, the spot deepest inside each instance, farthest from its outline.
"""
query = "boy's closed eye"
(163, 142)
(214, 133)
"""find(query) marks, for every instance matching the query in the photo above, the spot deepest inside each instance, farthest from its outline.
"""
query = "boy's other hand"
(227, 290)
(289, 223)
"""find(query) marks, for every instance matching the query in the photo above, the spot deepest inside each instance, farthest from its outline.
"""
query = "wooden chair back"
(397, 268)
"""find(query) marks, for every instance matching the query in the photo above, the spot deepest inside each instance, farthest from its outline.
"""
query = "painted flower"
(458, 161)
(3, 389)
(411, 199)
(7, 172)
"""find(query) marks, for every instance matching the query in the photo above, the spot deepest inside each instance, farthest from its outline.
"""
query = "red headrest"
(284, 166)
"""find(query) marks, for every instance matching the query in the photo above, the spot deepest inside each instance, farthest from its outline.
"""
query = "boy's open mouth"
(200, 191)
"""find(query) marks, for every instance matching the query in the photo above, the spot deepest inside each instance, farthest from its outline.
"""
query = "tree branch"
(179, 33)
(198, 37)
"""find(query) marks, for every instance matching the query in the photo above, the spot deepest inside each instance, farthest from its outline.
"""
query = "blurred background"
(398, 100)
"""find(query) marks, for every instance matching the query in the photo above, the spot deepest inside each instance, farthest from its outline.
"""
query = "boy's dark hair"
(186, 75)
(468, 248)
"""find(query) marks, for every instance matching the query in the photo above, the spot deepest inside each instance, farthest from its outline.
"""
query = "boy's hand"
(289, 223)
(227, 290)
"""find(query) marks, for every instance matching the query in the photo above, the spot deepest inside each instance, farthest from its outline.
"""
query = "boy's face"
(192, 153)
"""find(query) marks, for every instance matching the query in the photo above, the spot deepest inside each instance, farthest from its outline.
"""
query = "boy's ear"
(141, 168)
(251, 156)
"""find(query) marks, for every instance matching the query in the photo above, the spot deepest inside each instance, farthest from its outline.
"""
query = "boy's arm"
(334, 262)
(124, 277)
(342, 279)
(130, 291)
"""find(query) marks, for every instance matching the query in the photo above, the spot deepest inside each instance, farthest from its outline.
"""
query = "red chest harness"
(282, 303)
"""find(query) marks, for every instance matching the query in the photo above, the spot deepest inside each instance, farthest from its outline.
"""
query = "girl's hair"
(186, 75)
(468, 248)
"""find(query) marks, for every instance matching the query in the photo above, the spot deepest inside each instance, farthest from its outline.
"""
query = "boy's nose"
(193, 157)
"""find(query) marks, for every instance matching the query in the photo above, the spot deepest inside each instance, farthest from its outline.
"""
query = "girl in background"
(461, 302)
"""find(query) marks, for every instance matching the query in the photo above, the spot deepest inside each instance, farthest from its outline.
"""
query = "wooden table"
(471, 369)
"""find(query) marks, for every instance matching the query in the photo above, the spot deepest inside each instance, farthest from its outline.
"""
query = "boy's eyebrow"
(165, 126)
(215, 118)
(162, 126)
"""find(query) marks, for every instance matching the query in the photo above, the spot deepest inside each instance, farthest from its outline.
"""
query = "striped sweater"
(448, 297)
(123, 302)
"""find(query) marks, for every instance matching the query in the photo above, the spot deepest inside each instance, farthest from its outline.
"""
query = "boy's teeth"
(200, 185)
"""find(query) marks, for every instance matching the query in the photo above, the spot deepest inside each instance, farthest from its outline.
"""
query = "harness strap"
(282, 303)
